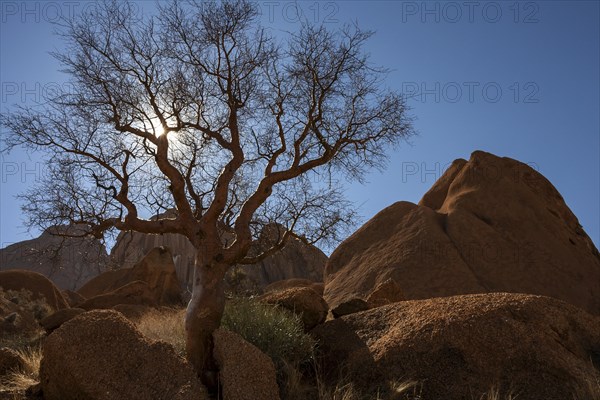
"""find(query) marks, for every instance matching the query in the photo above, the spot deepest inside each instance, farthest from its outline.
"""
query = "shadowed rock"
(152, 281)
(100, 355)
(54, 321)
(295, 260)
(67, 261)
(460, 347)
(245, 372)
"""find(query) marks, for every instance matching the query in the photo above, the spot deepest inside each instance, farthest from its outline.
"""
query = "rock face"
(152, 280)
(246, 373)
(131, 247)
(100, 355)
(295, 260)
(304, 301)
(68, 262)
(460, 347)
(489, 224)
(39, 286)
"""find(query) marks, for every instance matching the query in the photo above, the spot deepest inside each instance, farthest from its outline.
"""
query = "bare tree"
(204, 111)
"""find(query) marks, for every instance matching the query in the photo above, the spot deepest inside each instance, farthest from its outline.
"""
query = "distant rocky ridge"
(151, 281)
(68, 261)
(489, 224)
(295, 260)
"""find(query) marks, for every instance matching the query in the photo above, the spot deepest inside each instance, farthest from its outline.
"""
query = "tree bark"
(203, 316)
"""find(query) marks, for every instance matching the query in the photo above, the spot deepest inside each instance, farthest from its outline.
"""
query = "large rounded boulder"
(489, 224)
(463, 347)
(100, 355)
(40, 287)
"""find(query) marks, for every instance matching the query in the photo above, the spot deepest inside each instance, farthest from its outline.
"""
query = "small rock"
(11, 318)
(54, 321)
(386, 292)
(305, 302)
(350, 307)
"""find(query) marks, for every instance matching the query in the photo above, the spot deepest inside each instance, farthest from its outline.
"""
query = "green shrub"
(277, 332)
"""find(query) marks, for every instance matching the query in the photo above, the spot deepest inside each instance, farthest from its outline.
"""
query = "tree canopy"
(201, 109)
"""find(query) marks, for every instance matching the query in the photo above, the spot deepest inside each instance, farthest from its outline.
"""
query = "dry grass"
(396, 390)
(494, 394)
(21, 379)
(592, 391)
(165, 325)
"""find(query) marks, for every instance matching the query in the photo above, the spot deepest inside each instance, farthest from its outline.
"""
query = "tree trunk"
(203, 317)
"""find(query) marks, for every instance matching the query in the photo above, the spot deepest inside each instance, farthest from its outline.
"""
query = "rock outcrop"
(489, 224)
(246, 373)
(36, 283)
(304, 301)
(67, 261)
(463, 346)
(152, 281)
(135, 293)
(100, 355)
(295, 260)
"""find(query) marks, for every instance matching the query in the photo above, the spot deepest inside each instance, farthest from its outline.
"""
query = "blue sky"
(518, 79)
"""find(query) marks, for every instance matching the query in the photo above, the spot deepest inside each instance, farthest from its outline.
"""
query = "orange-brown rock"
(386, 292)
(156, 270)
(73, 298)
(101, 355)
(67, 261)
(304, 301)
(460, 347)
(136, 292)
(295, 283)
(245, 372)
(36, 283)
(489, 224)
(55, 320)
